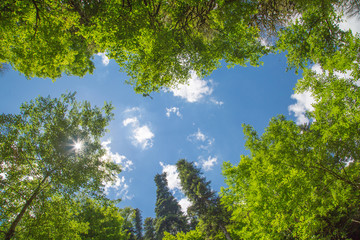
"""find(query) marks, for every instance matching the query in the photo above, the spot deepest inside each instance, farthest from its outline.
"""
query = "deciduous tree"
(52, 147)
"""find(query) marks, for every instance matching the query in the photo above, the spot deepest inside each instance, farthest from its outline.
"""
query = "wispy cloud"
(204, 142)
(216, 102)
(125, 163)
(132, 110)
(142, 136)
(173, 110)
(104, 59)
(198, 136)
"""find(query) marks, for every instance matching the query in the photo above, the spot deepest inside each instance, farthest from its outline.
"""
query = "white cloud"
(209, 163)
(143, 137)
(194, 90)
(141, 134)
(184, 204)
(172, 176)
(105, 60)
(174, 110)
(303, 104)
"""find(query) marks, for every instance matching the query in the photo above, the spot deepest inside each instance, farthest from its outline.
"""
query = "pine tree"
(149, 229)
(169, 216)
(205, 203)
(137, 222)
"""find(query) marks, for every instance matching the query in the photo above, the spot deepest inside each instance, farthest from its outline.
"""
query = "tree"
(160, 43)
(41, 38)
(138, 224)
(316, 37)
(103, 218)
(196, 234)
(53, 219)
(129, 216)
(157, 43)
(149, 229)
(169, 217)
(204, 201)
(51, 148)
(302, 182)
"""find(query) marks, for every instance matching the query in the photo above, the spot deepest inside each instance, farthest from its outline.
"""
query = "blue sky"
(200, 122)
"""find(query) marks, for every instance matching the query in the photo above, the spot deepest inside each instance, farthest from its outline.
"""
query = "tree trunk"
(10, 233)
(226, 233)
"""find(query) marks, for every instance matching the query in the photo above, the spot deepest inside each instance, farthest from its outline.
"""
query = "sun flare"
(78, 145)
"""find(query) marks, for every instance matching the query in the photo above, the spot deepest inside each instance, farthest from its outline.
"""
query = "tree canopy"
(52, 147)
(301, 181)
(159, 43)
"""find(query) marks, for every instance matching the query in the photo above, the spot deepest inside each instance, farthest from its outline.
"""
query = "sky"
(200, 122)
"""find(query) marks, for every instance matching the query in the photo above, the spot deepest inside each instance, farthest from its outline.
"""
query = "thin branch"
(37, 18)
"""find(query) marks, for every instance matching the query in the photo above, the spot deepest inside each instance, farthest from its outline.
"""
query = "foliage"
(129, 215)
(51, 148)
(53, 219)
(301, 181)
(41, 38)
(157, 43)
(103, 218)
(149, 229)
(169, 217)
(317, 38)
(196, 234)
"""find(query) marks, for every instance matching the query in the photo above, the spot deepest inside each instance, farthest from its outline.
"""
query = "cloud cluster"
(118, 184)
(200, 138)
(216, 102)
(142, 136)
(204, 143)
(173, 110)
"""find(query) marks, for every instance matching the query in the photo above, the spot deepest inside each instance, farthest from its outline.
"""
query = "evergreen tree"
(205, 203)
(149, 229)
(169, 217)
(137, 222)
